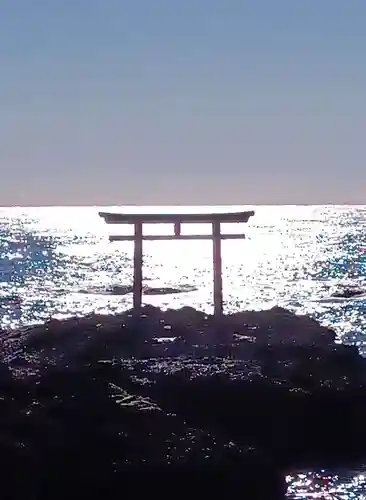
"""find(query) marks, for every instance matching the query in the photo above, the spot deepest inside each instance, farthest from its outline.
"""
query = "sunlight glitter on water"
(291, 257)
(327, 486)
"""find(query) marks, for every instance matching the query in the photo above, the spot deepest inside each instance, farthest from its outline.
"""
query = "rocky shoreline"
(250, 396)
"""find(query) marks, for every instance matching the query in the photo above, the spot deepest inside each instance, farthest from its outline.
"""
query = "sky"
(194, 102)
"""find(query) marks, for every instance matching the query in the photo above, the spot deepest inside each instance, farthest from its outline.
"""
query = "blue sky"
(182, 102)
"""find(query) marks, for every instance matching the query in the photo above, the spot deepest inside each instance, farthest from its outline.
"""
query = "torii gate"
(215, 219)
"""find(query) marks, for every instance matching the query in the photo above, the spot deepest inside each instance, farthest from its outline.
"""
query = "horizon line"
(130, 205)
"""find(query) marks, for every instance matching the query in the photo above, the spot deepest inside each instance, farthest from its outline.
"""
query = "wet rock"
(297, 421)
(270, 378)
(76, 429)
(120, 290)
(147, 290)
(273, 327)
(277, 325)
(348, 293)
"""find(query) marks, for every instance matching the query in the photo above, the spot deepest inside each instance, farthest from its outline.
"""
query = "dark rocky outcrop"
(73, 430)
(348, 293)
(159, 388)
(147, 290)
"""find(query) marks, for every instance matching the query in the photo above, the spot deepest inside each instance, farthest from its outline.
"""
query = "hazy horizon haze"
(193, 103)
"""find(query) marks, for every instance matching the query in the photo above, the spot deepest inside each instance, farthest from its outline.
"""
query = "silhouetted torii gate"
(216, 219)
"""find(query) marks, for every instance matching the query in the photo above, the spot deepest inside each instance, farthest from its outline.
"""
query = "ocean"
(59, 262)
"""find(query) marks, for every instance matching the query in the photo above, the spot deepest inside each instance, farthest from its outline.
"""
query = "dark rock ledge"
(99, 402)
(348, 292)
